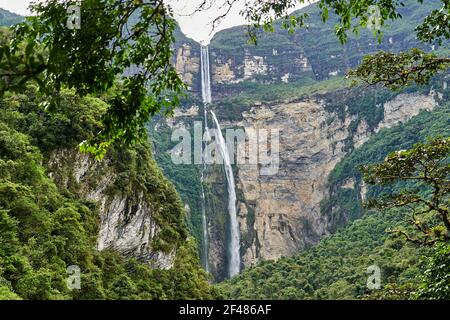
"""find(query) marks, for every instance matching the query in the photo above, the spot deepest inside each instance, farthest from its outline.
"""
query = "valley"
(322, 121)
(252, 188)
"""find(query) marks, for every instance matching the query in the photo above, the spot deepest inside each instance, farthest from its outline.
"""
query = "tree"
(396, 71)
(122, 49)
(423, 174)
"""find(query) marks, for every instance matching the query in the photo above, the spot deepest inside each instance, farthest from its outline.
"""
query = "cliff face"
(186, 59)
(129, 217)
(290, 83)
(286, 206)
(248, 65)
(119, 220)
(281, 213)
(187, 64)
(281, 57)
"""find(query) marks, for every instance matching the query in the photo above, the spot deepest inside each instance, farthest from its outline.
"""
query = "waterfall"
(233, 247)
(206, 96)
(204, 226)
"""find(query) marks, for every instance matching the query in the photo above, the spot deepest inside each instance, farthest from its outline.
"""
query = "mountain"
(8, 19)
(312, 54)
(337, 268)
(119, 223)
(126, 222)
(292, 83)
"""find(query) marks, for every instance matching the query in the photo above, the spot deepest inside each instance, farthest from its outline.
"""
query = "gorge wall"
(286, 206)
(292, 83)
(280, 214)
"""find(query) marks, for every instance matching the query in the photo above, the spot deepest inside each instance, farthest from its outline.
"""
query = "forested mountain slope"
(8, 19)
(56, 203)
(304, 233)
(293, 83)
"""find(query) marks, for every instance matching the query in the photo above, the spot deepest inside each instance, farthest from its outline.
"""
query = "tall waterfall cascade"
(204, 226)
(206, 96)
(206, 75)
(234, 260)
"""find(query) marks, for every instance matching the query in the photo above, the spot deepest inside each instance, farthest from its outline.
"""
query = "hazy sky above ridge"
(197, 26)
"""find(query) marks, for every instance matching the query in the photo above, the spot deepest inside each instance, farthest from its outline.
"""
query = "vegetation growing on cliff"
(39, 222)
(422, 174)
(336, 268)
(45, 229)
(392, 69)
(8, 18)
(344, 205)
(115, 37)
(186, 178)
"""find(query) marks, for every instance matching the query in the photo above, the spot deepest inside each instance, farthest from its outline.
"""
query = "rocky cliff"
(291, 83)
(281, 213)
(133, 215)
(287, 58)
(313, 139)
(118, 221)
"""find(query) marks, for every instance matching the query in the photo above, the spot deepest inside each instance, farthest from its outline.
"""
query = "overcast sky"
(197, 26)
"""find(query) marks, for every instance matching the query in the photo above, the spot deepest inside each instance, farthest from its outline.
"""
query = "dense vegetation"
(344, 204)
(186, 178)
(45, 228)
(335, 268)
(8, 18)
(122, 45)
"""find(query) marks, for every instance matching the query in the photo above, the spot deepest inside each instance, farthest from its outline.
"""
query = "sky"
(197, 26)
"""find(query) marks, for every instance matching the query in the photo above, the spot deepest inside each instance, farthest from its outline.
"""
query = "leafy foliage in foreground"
(427, 199)
(353, 16)
(390, 69)
(43, 229)
(396, 71)
(436, 280)
(130, 40)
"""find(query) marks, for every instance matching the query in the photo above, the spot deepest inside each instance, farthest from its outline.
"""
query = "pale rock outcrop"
(404, 106)
(187, 65)
(126, 222)
(286, 205)
(223, 73)
(253, 66)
